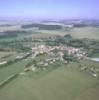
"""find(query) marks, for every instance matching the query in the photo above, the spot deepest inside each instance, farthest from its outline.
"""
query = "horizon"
(49, 9)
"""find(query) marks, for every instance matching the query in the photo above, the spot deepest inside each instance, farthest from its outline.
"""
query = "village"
(56, 54)
(53, 54)
(60, 50)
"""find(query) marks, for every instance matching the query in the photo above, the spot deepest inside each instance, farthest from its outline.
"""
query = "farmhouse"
(4, 62)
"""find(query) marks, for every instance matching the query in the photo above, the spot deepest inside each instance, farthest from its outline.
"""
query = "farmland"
(12, 69)
(65, 82)
(47, 30)
(42, 77)
(83, 32)
(86, 32)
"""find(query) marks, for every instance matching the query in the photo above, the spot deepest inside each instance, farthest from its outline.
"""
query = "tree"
(69, 57)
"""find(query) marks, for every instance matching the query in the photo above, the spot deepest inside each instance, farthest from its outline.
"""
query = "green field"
(64, 83)
(84, 32)
(12, 69)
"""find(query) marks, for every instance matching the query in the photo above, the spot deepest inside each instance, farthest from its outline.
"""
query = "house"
(4, 62)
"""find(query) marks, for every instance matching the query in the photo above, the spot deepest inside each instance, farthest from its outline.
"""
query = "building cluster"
(40, 49)
(91, 70)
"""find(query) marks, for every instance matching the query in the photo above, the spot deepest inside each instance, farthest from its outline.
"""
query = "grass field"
(12, 69)
(64, 83)
(85, 32)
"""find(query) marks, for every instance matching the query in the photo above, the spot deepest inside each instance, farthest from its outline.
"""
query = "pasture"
(84, 32)
(12, 69)
(66, 82)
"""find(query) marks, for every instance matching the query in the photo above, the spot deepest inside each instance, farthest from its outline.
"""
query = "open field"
(85, 32)
(3, 54)
(52, 32)
(64, 83)
(12, 69)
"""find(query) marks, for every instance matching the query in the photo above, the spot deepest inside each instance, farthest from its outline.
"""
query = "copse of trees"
(80, 25)
(14, 45)
(43, 27)
(31, 63)
(69, 58)
(11, 33)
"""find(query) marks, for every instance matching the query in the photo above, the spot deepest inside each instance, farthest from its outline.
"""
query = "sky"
(56, 9)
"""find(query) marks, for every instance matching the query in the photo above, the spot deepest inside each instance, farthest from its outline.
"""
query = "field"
(2, 54)
(64, 83)
(84, 32)
(52, 32)
(12, 69)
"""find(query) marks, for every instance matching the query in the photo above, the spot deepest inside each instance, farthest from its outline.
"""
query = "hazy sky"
(50, 8)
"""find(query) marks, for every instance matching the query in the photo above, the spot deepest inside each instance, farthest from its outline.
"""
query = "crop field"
(66, 82)
(85, 32)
